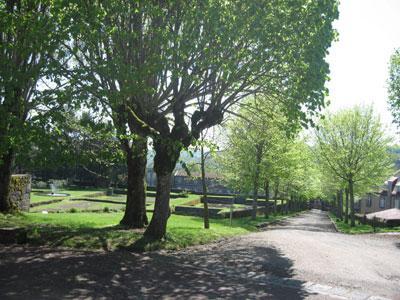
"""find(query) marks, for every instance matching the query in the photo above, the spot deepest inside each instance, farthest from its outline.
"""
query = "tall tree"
(353, 146)
(115, 49)
(247, 56)
(255, 145)
(173, 68)
(31, 33)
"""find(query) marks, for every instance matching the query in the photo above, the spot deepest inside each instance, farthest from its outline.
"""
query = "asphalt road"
(300, 258)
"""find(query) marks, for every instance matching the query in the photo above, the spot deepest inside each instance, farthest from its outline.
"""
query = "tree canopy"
(353, 146)
(31, 33)
(394, 86)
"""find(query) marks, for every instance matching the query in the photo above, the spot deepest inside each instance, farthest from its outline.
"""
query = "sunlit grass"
(360, 228)
(98, 231)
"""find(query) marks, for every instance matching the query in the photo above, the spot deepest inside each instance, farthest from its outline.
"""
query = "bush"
(106, 209)
(73, 210)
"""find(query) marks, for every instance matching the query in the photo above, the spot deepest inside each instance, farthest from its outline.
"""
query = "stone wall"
(217, 214)
(20, 191)
(198, 211)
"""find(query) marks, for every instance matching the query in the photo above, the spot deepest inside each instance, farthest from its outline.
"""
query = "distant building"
(387, 197)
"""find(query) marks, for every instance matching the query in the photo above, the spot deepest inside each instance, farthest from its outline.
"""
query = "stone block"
(20, 191)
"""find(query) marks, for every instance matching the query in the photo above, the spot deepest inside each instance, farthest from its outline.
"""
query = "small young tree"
(353, 146)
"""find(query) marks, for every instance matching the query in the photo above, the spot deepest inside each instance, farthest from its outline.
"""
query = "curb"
(334, 223)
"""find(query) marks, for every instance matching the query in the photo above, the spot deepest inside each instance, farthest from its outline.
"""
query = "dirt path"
(301, 258)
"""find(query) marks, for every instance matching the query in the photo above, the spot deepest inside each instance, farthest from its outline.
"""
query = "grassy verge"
(360, 228)
(100, 231)
(92, 200)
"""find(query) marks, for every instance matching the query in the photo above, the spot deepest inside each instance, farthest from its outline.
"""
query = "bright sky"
(369, 31)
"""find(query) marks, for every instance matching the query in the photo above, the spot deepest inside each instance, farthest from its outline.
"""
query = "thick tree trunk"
(6, 163)
(346, 212)
(158, 224)
(351, 193)
(206, 216)
(266, 212)
(167, 154)
(135, 210)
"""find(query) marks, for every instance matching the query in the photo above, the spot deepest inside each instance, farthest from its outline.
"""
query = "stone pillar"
(20, 191)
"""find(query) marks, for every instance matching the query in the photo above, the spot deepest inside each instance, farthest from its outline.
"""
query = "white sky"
(369, 31)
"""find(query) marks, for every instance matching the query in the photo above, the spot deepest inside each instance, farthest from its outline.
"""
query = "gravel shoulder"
(299, 258)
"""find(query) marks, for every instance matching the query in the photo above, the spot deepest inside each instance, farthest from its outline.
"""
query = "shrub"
(73, 210)
(106, 209)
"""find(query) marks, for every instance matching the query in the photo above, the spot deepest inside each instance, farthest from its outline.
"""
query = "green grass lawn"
(360, 228)
(92, 200)
(36, 197)
(98, 231)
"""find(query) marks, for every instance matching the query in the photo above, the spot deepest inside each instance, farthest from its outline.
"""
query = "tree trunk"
(158, 224)
(266, 212)
(256, 180)
(276, 198)
(340, 204)
(351, 192)
(287, 206)
(337, 204)
(5, 177)
(135, 210)
(167, 154)
(346, 212)
(206, 215)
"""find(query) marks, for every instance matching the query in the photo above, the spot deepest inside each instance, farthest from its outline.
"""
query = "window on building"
(369, 200)
(382, 202)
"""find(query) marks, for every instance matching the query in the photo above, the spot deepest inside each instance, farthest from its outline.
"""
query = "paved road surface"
(300, 258)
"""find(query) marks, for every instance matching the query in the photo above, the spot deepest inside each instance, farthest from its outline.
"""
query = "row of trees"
(347, 154)
(353, 149)
(164, 70)
(264, 154)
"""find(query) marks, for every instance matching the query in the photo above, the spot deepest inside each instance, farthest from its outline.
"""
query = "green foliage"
(286, 161)
(153, 63)
(353, 147)
(394, 86)
(76, 142)
(30, 64)
(254, 131)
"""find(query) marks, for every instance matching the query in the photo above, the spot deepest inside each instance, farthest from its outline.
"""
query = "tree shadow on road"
(241, 272)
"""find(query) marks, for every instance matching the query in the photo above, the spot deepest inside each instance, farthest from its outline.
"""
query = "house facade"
(387, 197)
